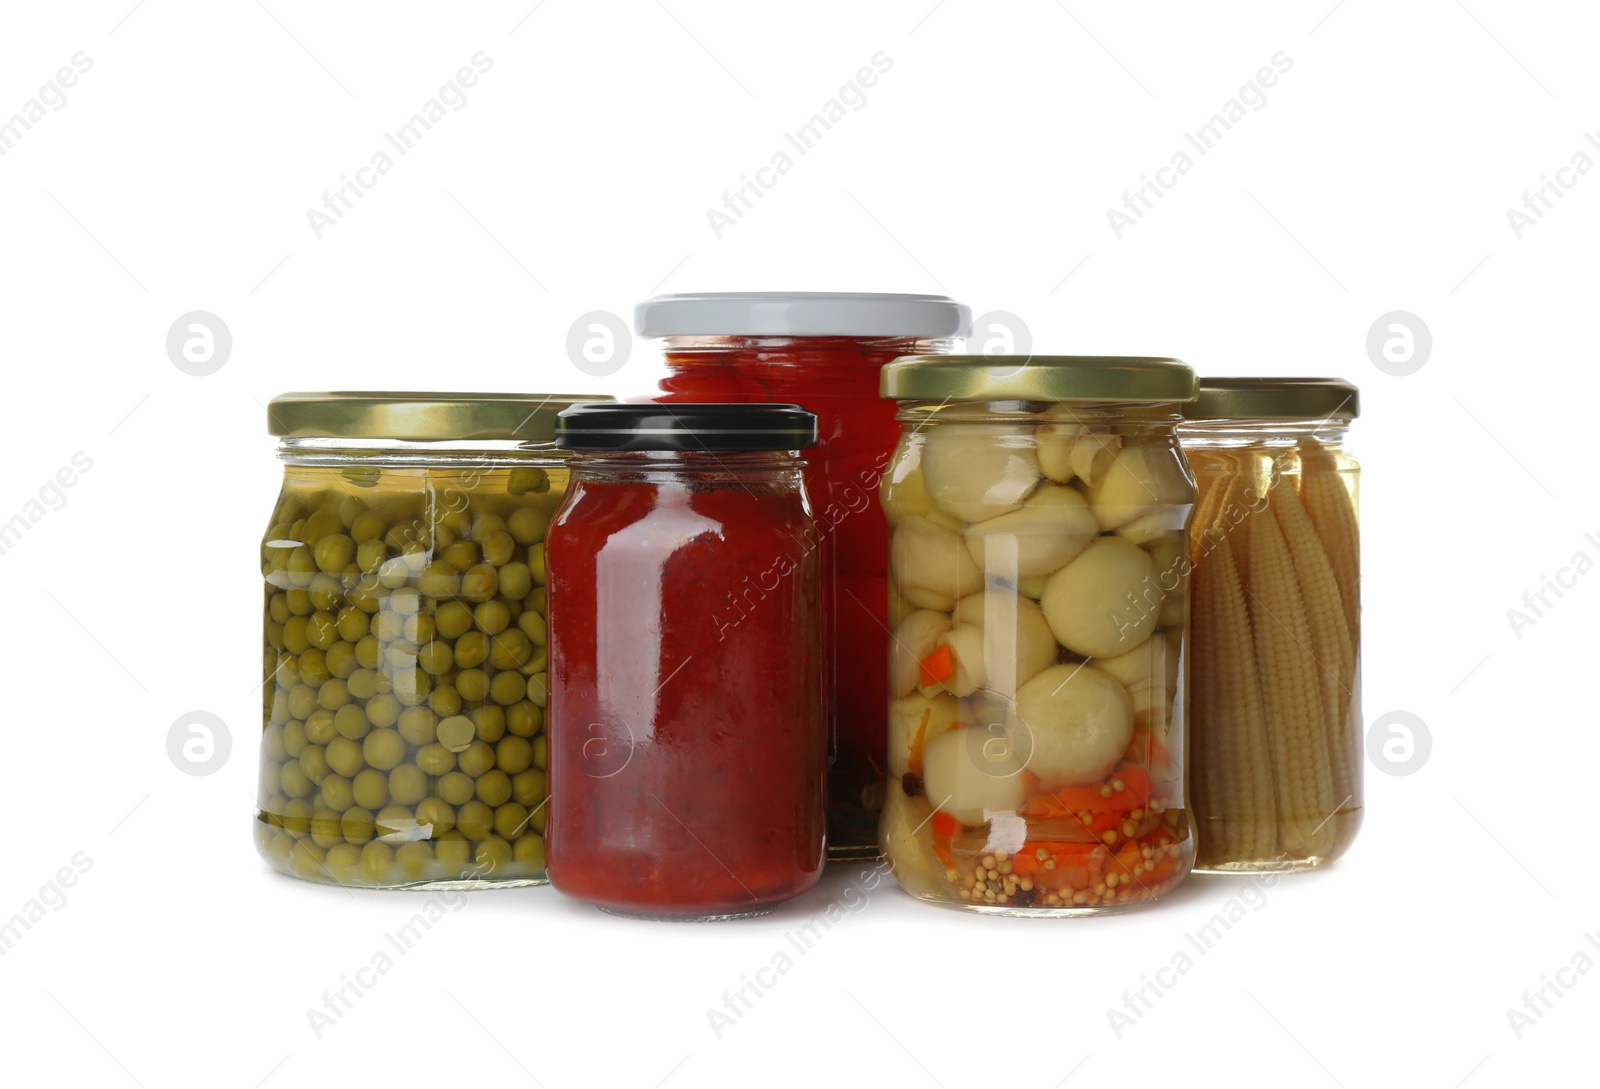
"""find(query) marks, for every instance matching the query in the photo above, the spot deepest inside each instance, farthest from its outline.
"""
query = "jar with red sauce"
(688, 745)
(822, 350)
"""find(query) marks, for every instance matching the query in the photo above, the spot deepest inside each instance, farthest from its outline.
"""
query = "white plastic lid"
(802, 314)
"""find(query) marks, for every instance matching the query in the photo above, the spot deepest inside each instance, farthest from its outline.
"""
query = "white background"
(577, 177)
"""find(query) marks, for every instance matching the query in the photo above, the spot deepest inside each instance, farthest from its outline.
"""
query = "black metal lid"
(686, 426)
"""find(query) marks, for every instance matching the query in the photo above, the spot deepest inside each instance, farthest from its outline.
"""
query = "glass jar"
(689, 747)
(1038, 569)
(1276, 694)
(822, 350)
(403, 696)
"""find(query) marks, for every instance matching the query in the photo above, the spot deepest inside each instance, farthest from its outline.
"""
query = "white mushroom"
(1000, 640)
(1053, 526)
(1170, 552)
(932, 566)
(978, 471)
(972, 773)
(1072, 723)
(1150, 674)
(1104, 602)
(914, 714)
(900, 491)
(913, 640)
(1140, 479)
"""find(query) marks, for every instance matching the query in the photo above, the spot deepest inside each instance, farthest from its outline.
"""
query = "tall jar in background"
(404, 636)
(1038, 568)
(1275, 697)
(689, 749)
(822, 350)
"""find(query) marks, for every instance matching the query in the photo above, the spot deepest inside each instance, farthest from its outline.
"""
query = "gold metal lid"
(1108, 378)
(1274, 399)
(420, 417)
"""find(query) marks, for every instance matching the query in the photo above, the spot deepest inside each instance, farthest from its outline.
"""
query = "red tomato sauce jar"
(688, 748)
(822, 350)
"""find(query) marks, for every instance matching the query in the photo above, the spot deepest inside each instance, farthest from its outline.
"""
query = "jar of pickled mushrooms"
(403, 698)
(1275, 695)
(1038, 571)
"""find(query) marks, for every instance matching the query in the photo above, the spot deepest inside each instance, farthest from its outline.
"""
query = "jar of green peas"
(404, 641)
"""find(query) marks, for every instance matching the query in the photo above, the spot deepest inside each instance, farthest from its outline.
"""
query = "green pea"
(480, 583)
(271, 781)
(325, 828)
(417, 725)
(275, 635)
(489, 722)
(369, 525)
(498, 548)
(476, 759)
(313, 665)
(342, 860)
(384, 749)
(301, 567)
(472, 649)
(395, 822)
(371, 788)
(336, 793)
(510, 820)
(456, 787)
(367, 651)
(538, 819)
(278, 608)
(370, 555)
(527, 525)
(297, 815)
(281, 851)
(515, 581)
(436, 657)
(453, 852)
(528, 787)
(528, 851)
(314, 763)
(525, 479)
(302, 700)
(294, 635)
(327, 593)
(352, 624)
(456, 733)
(445, 700)
(333, 694)
(475, 820)
(383, 711)
(473, 684)
(436, 814)
(523, 719)
(376, 859)
(435, 759)
(322, 631)
(513, 755)
(493, 856)
(344, 756)
(486, 523)
(507, 688)
(491, 617)
(494, 788)
(536, 563)
(408, 784)
(532, 624)
(536, 664)
(510, 649)
(393, 573)
(413, 859)
(358, 824)
(272, 746)
(538, 600)
(294, 738)
(538, 689)
(319, 727)
(411, 686)
(341, 659)
(452, 619)
(306, 860)
(439, 579)
(388, 626)
(420, 628)
(333, 552)
(369, 599)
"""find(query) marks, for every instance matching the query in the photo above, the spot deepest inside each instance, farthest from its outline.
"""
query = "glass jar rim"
(802, 313)
(1073, 378)
(1329, 400)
